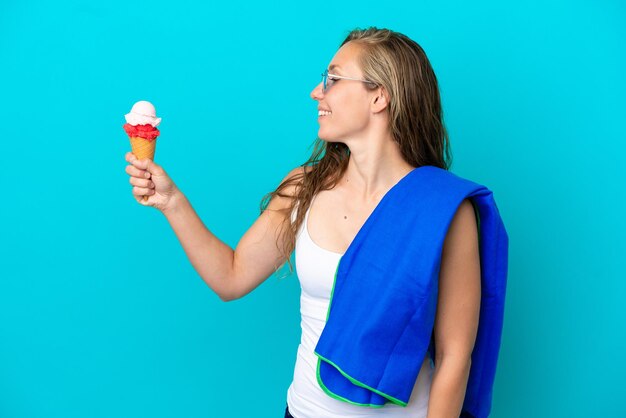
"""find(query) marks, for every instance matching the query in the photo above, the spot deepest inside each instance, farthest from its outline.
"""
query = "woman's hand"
(149, 179)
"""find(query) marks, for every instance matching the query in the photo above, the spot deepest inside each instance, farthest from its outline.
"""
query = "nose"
(317, 93)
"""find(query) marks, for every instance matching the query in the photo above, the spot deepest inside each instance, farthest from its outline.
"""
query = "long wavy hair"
(398, 64)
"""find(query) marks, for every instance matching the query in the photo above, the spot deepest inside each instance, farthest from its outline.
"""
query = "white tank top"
(315, 268)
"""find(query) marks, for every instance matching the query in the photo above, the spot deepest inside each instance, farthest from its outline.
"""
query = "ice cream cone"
(143, 148)
(141, 128)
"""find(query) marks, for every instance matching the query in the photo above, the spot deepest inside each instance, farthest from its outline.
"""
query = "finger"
(142, 191)
(141, 182)
(131, 158)
(134, 171)
(149, 165)
(143, 164)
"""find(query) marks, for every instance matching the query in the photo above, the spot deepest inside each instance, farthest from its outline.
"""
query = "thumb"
(153, 167)
(146, 164)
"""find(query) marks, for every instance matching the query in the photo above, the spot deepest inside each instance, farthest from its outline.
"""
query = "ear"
(380, 101)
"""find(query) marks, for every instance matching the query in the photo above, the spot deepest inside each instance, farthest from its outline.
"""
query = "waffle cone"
(142, 148)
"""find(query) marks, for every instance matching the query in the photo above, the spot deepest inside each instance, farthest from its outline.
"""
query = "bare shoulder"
(291, 180)
(298, 171)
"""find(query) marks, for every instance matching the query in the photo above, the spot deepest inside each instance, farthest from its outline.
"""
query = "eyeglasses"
(333, 77)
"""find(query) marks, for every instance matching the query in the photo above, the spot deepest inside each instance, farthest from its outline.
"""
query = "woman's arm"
(231, 274)
(456, 320)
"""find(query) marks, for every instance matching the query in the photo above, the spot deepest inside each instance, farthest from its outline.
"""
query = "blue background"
(102, 315)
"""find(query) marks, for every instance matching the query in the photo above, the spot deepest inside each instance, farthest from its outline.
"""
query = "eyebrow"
(332, 67)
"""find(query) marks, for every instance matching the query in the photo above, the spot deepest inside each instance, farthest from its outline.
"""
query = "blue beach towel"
(381, 315)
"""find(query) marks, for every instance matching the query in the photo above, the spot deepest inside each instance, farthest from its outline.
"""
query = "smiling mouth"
(324, 113)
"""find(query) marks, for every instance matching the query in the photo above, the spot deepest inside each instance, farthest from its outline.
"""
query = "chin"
(325, 136)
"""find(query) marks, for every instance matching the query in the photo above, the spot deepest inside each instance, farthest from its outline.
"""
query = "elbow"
(230, 291)
(228, 295)
(224, 289)
(224, 298)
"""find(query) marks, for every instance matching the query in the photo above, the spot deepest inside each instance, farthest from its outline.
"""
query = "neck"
(374, 167)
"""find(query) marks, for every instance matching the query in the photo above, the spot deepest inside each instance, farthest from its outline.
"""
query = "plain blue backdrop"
(102, 315)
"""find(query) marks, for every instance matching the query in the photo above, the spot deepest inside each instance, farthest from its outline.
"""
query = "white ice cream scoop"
(142, 113)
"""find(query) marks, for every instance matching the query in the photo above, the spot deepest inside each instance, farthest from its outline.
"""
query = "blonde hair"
(400, 66)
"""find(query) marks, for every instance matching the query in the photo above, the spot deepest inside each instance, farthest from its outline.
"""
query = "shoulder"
(445, 179)
(290, 184)
(300, 170)
(286, 191)
(291, 181)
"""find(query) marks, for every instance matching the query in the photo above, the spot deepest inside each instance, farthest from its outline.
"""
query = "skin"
(359, 119)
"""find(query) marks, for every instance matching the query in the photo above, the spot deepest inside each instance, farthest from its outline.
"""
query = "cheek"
(354, 115)
(349, 109)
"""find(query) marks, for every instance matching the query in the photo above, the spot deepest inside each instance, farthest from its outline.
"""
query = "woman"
(380, 117)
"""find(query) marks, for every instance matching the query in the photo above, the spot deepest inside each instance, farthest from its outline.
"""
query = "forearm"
(211, 258)
(447, 390)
